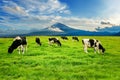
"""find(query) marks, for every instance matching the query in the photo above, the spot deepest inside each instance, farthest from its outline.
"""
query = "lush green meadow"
(68, 62)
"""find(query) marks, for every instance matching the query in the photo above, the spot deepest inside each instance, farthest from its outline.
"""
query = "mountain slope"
(61, 29)
(117, 34)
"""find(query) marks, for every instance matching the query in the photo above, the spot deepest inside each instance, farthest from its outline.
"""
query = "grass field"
(68, 62)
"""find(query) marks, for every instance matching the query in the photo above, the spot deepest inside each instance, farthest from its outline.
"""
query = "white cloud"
(41, 7)
(79, 23)
(43, 13)
(13, 8)
(32, 13)
(35, 7)
(18, 11)
(112, 11)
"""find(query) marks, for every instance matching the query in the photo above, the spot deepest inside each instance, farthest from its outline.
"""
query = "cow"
(64, 37)
(37, 40)
(18, 42)
(93, 43)
(75, 38)
(54, 40)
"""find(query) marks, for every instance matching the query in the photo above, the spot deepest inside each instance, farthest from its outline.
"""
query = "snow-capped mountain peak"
(55, 29)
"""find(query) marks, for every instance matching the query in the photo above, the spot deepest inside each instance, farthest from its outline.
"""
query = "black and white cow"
(64, 37)
(54, 40)
(93, 43)
(75, 38)
(37, 40)
(18, 42)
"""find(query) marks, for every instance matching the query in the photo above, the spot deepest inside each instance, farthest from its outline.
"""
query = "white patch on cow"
(86, 43)
(17, 38)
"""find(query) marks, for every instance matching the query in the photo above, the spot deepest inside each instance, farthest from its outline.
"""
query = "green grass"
(68, 62)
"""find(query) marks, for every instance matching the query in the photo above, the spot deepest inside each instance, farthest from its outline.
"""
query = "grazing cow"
(75, 38)
(37, 40)
(64, 37)
(54, 40)
(18, 42)
(93, 43)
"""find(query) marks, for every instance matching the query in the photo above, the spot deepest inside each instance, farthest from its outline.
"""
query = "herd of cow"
(21, 44)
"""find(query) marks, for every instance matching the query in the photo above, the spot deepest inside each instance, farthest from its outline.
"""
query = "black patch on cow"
(37, 40)
(101, 48)
(97, 41)
(91, 42)
(75, 38)
(50, 39)
(64, 38)
(24, 42)
(95, 45)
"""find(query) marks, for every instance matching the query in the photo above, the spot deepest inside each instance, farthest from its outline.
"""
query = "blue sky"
(85, 8)
(39, 14)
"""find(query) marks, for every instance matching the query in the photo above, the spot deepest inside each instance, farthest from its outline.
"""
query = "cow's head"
(103, 50)
(14, 45)
(10, 49)
(58, 42)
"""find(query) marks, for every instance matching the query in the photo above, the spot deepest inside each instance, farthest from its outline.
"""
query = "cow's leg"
(22, 49)
(19, 49)
(85, 49)
(95, 49)
(98, 51)
(25, 48)
(50, 43)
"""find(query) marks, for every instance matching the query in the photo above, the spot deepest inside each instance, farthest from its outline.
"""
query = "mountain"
(57, 29)
(64, 30)
(117, 34)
